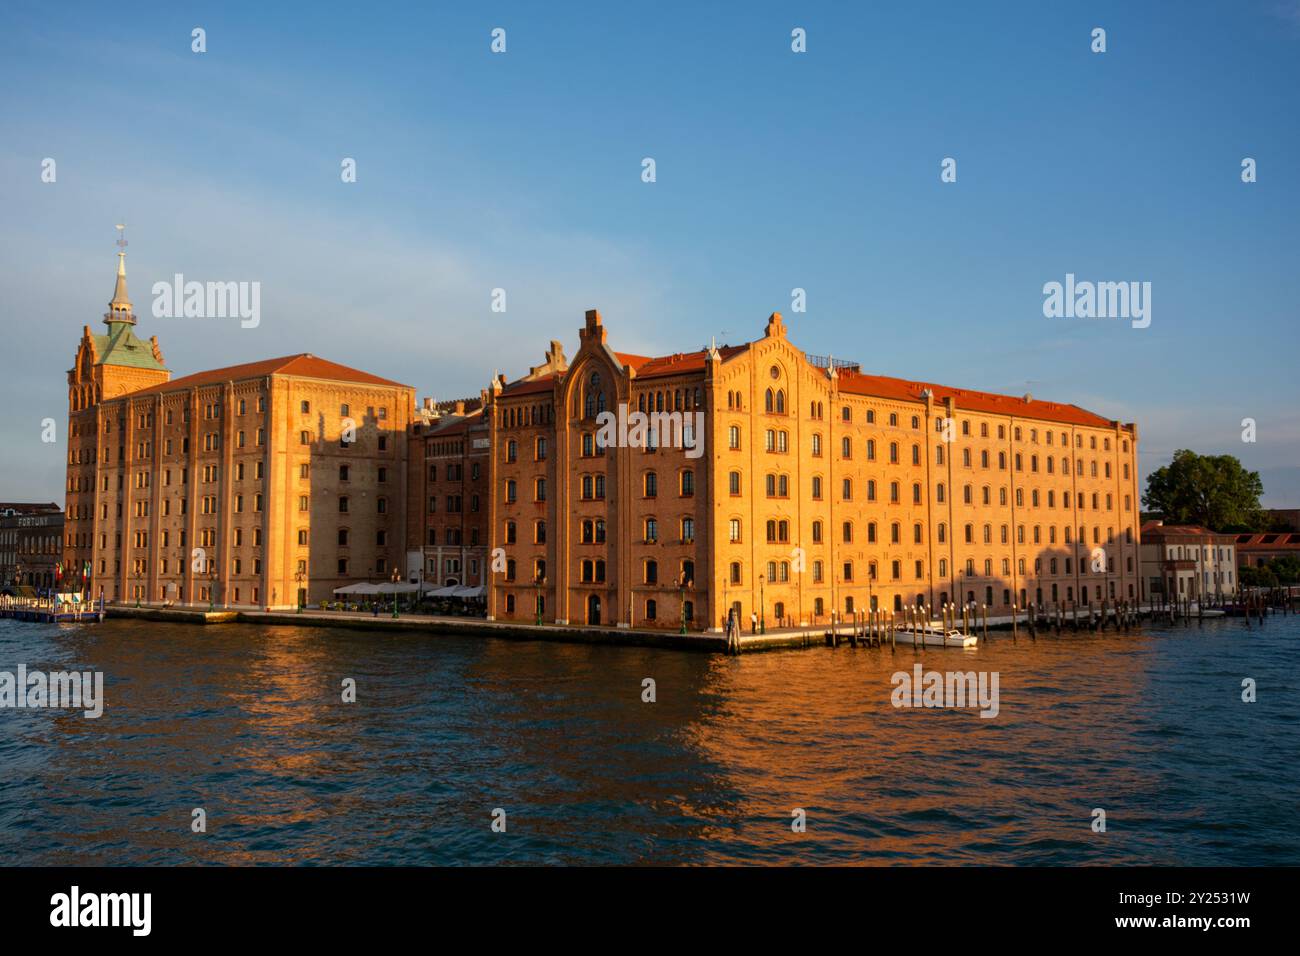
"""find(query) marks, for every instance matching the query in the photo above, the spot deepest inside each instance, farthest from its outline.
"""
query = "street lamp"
(397, 576)
(300, 577)
(762, 605)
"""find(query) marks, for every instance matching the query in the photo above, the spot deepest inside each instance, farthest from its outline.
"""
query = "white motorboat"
(934, 634)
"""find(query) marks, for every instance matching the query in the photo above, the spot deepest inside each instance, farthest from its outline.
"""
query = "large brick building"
(808, 487)
(254, 485)
(775, 483)
(447, 483)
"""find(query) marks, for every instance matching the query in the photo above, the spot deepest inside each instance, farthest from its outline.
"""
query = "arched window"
(594, 401)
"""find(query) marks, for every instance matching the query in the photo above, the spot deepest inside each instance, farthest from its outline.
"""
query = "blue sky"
(775, 170)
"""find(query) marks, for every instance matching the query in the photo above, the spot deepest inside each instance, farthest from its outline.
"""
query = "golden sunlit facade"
(814, 489)
(776, 486)
(258, 485)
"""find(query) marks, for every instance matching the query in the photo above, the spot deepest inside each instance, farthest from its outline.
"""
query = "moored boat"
(934, 634)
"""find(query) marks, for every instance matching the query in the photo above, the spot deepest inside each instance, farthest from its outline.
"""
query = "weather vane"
(121, 238)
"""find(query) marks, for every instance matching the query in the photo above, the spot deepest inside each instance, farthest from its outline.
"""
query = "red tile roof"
(854, 383)
(882, 386)
(1157, 529)
(627, 358)
(645, 366)
(1268, 541)
(682, 362)
(304, 364)
(532, 386)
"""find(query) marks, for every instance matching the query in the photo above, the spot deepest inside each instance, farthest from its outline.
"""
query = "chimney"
(460, 407)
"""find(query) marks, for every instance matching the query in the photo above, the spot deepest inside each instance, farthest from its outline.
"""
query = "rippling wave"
(247, 722)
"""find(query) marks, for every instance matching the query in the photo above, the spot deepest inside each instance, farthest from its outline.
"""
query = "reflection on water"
(247, 722)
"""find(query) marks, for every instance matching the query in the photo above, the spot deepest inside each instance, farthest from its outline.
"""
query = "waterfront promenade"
(709, 642)
(409, 622)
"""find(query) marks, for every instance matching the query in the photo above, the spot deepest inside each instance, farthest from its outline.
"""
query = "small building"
(1254, 550)
(31, 544)
(1187, 562)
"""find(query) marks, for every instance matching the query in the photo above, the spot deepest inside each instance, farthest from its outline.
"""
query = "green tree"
(1260, 576)
(1210, 490)
(1286, 568)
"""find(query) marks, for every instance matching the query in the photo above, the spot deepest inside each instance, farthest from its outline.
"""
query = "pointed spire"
(714, 355)
(119, 309)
